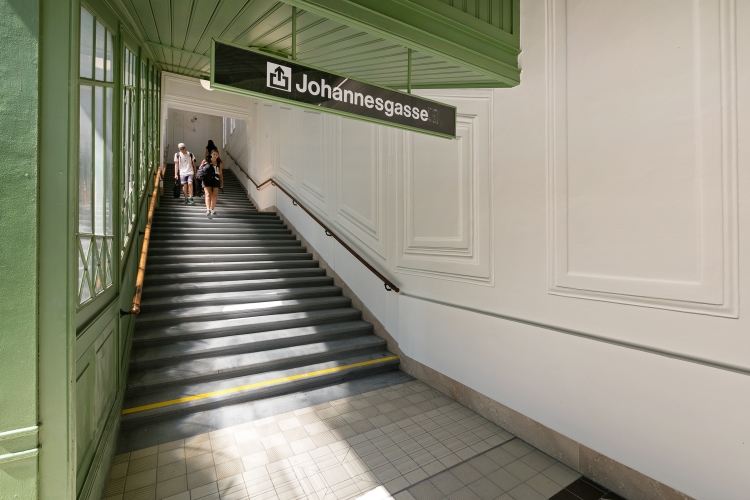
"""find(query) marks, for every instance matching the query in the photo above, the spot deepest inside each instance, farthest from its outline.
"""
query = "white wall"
(194, 129)
(606, 196)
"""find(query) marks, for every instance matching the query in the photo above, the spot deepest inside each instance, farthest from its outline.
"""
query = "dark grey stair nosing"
(251, 363)
(221, 328)
(246, 310)
(172, 411)
(249, 342)
(180, 301)
(236, 286)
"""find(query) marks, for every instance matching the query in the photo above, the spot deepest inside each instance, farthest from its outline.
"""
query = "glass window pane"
(99, 59)
(99, 160)
(108, 159)
(84, 161)
(87, 43)
(110, 67)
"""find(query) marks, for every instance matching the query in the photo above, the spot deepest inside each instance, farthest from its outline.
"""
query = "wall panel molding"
(444, 195)
(361, 166)
(673, 244)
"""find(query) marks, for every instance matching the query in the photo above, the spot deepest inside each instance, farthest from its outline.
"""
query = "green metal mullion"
(136, 126)
(118, 53)
(294, 33)
(408, 70)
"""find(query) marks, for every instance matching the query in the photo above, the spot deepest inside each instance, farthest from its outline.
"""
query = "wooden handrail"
(389, 285)
(136, 307)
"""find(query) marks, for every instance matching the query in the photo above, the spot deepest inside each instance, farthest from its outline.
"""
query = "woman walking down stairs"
(235, 310)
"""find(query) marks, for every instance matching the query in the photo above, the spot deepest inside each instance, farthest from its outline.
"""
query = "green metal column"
(19, 21)
(56, 230)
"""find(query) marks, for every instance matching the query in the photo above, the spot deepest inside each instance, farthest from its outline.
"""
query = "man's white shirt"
(184, 161)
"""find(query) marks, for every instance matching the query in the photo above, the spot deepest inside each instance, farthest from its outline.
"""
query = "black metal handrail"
(389, 285)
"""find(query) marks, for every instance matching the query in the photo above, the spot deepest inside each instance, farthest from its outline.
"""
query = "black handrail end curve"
(124, 313)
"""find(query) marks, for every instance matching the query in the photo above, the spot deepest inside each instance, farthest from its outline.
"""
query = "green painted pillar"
(19, 91)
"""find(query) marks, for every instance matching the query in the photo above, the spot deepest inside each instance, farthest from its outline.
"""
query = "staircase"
(234, 310)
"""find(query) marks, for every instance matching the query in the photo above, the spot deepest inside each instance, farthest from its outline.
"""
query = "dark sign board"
(250, 71)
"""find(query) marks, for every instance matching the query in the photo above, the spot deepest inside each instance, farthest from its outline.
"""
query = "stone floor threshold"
(403, 442)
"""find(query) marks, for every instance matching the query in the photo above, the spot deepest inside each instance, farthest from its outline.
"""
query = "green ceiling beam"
(433, 28)
(181, 51)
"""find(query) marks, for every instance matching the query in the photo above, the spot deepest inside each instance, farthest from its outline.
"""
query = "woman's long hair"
(211, 146)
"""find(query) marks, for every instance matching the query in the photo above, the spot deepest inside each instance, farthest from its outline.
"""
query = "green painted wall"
(19, 49)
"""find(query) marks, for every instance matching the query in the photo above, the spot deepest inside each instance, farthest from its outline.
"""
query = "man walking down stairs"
(235, 310)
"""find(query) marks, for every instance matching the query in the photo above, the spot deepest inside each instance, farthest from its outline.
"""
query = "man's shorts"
(185, 179)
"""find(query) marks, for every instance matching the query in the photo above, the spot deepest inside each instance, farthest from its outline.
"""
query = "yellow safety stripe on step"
(256, 385)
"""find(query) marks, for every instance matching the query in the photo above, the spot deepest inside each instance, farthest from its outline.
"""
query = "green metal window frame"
(100, 246)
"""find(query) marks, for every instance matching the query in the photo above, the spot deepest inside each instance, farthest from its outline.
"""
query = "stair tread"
(196, 275)
(221, 327)
(237, 297)
(233, 365)
(200, 313)
(247, 342)
(286, 380)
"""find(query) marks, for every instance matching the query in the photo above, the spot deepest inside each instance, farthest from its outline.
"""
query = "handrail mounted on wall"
(389, 285)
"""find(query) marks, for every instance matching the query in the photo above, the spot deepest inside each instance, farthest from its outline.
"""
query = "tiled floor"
(407, 442)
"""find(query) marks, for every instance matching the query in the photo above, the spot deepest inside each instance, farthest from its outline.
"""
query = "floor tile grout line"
(454, 466)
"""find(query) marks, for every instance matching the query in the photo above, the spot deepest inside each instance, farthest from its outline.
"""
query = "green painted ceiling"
(179, 34)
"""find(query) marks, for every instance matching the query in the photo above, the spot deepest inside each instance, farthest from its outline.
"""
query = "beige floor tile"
(222, 442)
(244, 435)
(229, 469)
(226, 454)
(268, 429)
(139, 480)
(204, 490)
(114, 487)
(142, 464)
(118, 470)
(561, 474)
(525, 492)
(199, 448)
(197, 439)
(255, 460)
(202, 477)
(520, 470)
(153, 450)
(199, 462)
(303, 445)
(171, 487)
(145, 493)
(121, 458)
(170, 456)
(172, 445)
(171, 470)
(249, 447)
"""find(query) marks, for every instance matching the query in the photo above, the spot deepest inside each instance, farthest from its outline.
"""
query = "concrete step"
(196, 371)
(188, 267)
(225, 276)
(218, 240)
(291, 253)
(234, 286)
(216, 221)
(224, 327)
(215, 299)
(182, 252)
(183, 238)
(160, 318)
(259, 386)
(252, 342)
(199, 215)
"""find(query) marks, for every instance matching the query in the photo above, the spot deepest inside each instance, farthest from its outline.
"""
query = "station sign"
(252, 72)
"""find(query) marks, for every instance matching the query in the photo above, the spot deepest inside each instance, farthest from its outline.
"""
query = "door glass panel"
(99, 161)
(108, 159)
(84, 161)
(99, 49)
(110, 65)
(87, 44)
